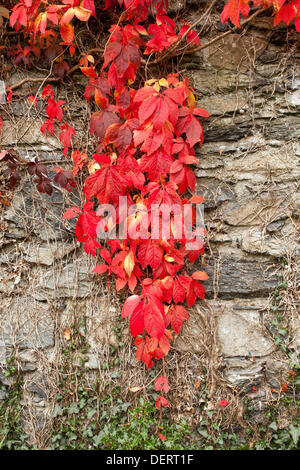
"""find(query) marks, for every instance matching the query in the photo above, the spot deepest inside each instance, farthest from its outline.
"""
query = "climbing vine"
(145, 131)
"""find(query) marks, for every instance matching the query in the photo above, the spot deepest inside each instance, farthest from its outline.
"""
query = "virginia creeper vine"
(146, 136)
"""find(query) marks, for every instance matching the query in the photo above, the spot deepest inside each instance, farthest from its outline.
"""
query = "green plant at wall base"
(86, 418)
(12, 435)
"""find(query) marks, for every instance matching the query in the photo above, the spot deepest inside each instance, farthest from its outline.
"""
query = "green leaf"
(273, 426)
(73, 408)
(295, 433)
(58, 411)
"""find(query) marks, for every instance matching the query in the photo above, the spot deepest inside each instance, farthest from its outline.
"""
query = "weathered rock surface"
(241, 333)
(26, 324)
(71, 281)
(46, 253)
(233, 278)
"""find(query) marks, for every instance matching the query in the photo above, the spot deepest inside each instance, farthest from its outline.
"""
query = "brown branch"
(33, 80)
(51, 79)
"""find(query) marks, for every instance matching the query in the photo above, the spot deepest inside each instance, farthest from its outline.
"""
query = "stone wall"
(248, 172)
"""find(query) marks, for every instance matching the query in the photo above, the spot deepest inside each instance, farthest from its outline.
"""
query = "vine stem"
(49, 79)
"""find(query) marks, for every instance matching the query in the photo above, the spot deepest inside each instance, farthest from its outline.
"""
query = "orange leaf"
(67, 32)
(67, 334)
(196, 199)
(284, 388)
(200, 276)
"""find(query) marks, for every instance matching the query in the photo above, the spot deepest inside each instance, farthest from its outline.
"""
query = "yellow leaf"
(150, 82)
(67, 334)
(93, 167)
(163, 82)
(191, 100)
(90, 58)
(156, 87)
(135, 389)
(129, 263)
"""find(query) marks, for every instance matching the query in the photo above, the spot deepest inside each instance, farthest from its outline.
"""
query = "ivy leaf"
(44, 186)
(200, 276)
(130, 305)
(154, 320)
(156, 165)
(107, 184)
(190, 125)
(150, 254)
(65, 179)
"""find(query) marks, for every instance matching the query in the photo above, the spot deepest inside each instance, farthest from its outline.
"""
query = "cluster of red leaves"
(45, 22)
(145, 150)
(145, 147)
(285, 11)
(41, 18)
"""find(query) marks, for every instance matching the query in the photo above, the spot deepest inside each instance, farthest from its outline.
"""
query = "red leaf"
(154, 321)
(150, 254)
(161, 401)
(156, 165)
(101, 120)
(223, 403)
(232, 10)
(90, 247)
(196, 199)
(100, 269)
(130, 304)
(137, 321)
(176, 314)
(72, 212)
(107, 184)
(161, 383)
(190, 125)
